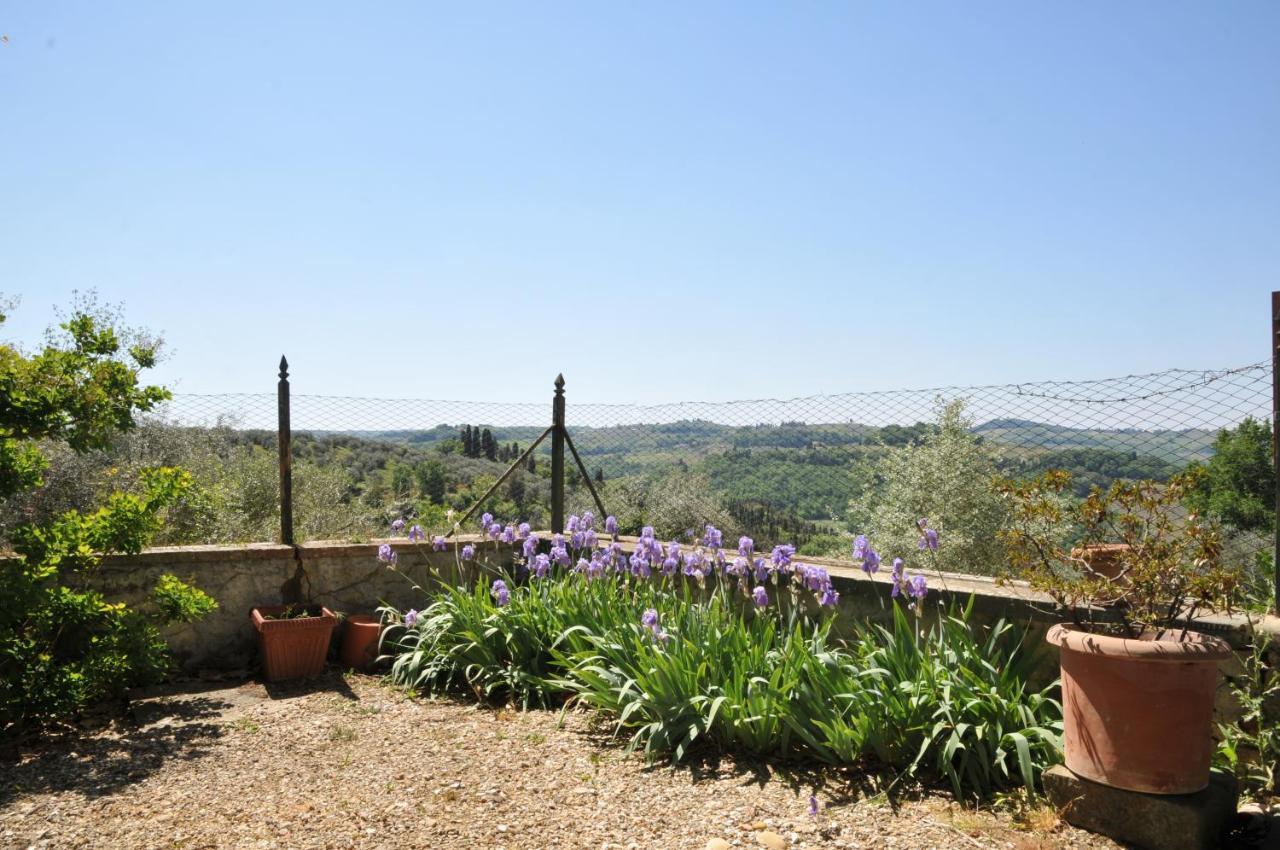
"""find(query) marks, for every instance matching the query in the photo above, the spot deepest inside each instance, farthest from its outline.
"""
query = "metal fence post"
(1275, 434)
(285, 440)
(557, 457)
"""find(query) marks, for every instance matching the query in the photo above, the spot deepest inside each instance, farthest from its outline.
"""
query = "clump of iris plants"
(758, 579)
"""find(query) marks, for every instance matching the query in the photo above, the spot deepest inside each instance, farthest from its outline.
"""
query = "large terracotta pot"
(293, 648)
(360, 641)
(1138, 713)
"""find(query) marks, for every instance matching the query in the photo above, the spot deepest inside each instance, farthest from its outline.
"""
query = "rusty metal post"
(557, 457)
(1275, 435)
(285, 440)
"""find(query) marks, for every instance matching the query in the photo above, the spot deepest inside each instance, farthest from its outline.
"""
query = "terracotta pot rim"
(325, 619)
(363, 620)
(1196, 646)
(1100, 549)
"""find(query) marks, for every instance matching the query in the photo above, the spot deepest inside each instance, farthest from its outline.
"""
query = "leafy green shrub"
(1250, 745)
(947, 477)
(1239, 484)
(63, 645)
(178, 602)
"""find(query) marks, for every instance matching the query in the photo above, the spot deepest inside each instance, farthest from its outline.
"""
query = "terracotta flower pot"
(293, 648)
(1138, 713)
(1103, 558)
(360, 642)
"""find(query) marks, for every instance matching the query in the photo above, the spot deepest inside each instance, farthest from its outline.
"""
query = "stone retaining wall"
(345, 577)
(348, 578)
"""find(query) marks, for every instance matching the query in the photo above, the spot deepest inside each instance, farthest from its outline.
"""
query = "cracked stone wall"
(345, 577)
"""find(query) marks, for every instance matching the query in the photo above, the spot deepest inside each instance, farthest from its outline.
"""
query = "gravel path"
(348, 762)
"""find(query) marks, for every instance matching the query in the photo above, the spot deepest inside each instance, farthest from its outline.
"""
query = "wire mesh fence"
(808, 470)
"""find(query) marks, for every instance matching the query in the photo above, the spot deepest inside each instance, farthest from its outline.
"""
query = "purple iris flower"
(410, 619)
(541, 566)
(898, 567)
(860, 547)
(670, 565)
(650, 618)
(588, 539)
(523, 530)
(386, 554)
(557, 540)
(560, 555)
(509, 534)
(711, 537)
(572, 525)
(468, 552)
(762, 570)
(595, 568)
(871, 561)
(486, 520)
(397, 526)
(530, 546)
(640, 566)
(588, 520)
(416, 533)
(739, 567)
(782, 554)
(439, 544)
(746, 546)
(646, 533)
(500, 593)
(830, 597)
(816, 578)
(929, 541)
(577, 540)
(917, 587)
(610, 525)
(813, 806)
(761, 596)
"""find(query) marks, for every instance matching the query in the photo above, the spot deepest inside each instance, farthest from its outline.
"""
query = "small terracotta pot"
(295, 648)
(1138, 713)
(1102, 558)
(360, 642)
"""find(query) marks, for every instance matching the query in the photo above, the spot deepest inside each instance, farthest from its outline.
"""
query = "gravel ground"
(347, 762)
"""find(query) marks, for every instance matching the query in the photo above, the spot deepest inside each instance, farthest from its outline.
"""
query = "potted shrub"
(1138, 683)
(293, 639)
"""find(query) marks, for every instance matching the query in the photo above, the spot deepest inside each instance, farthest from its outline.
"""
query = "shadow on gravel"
(98, 764)
(330, 681)
(839, 785)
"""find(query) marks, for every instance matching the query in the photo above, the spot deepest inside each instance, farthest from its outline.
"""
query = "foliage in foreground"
(1170, 570)
(671, 665)
(1249, 746)
(63, 646)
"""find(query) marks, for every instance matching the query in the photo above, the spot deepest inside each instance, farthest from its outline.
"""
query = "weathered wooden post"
(285, 440)
(557, 457)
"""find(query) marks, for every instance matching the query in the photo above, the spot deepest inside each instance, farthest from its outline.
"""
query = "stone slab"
(1153, 821)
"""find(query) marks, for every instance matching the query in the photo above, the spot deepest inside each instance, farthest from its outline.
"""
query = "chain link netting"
(804, 468)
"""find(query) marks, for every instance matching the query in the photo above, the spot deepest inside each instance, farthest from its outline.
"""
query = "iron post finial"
(284, 368)
(560, 384)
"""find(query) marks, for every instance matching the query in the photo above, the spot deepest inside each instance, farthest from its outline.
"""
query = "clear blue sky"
(665, 201)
